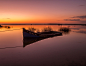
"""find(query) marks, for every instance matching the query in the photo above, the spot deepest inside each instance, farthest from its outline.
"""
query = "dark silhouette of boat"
(27, 33)
(31, 37)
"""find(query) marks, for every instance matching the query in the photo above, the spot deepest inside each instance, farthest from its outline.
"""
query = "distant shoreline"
(44, 24)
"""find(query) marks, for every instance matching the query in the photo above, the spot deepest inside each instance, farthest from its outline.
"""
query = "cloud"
(58, 20)
(81, 17)
(81, 5)
(72, 19)
(7, 18)
(83, 21)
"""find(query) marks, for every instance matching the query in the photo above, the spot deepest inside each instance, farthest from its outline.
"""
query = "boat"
(30, 37)
(29, 34)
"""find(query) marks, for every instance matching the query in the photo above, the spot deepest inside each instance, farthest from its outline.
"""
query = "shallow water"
(68, 49)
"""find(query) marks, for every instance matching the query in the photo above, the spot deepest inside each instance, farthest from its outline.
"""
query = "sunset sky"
(42, 11)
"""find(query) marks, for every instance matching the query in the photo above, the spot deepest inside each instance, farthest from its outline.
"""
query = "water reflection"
(29, 40)
(75, 28)
(5, 28)
(65, 30)
(13, 35)
(67, 50)
(10, 47)
(81, 31)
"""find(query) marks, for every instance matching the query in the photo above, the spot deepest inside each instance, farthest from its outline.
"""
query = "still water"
(68, 49)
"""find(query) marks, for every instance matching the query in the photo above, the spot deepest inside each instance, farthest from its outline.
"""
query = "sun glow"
(8, 18)
(25, 11)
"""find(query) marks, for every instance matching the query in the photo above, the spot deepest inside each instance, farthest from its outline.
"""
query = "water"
(68, 49)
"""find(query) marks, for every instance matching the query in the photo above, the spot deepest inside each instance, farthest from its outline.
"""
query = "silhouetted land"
(4, 26)
(1, 26)
(46, 24)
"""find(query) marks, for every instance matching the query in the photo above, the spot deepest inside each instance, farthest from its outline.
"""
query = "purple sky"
(43, 11)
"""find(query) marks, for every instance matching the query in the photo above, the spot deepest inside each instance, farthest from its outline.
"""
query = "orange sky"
(42, 11)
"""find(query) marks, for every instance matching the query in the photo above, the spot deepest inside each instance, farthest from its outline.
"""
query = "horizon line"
(43, 24)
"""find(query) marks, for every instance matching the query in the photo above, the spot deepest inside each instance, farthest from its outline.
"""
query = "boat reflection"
(30, 40)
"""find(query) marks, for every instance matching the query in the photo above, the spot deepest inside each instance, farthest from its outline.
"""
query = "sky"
(43, 11)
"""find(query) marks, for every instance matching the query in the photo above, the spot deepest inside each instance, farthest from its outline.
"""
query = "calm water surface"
(68, 49)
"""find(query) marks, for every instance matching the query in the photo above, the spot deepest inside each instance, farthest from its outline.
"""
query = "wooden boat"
(29, 34)
(31, 37)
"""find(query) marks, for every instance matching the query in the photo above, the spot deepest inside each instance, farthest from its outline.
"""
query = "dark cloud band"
(81, 5)
(72, 19)
(82, 17)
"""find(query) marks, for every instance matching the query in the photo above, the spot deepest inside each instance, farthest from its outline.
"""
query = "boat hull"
(29, 34)
(25, 35)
